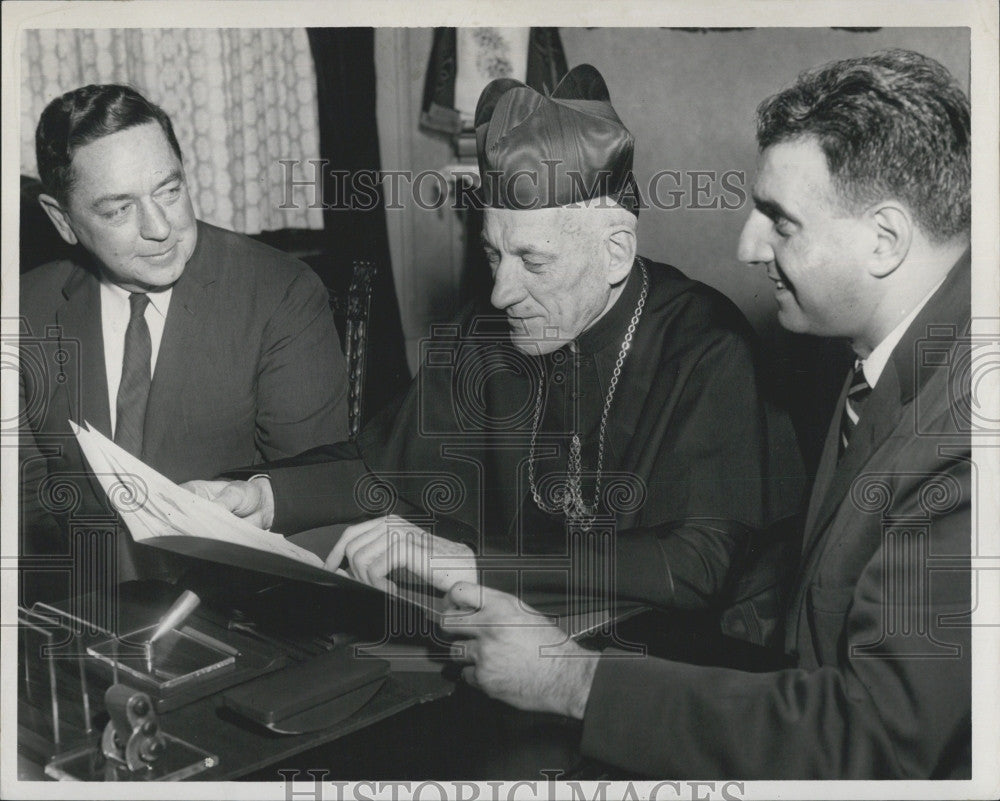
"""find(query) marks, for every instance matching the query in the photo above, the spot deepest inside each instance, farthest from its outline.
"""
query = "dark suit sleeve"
(316, 488)
(313, 488)
(684, 566)
(880, 706)
(328, 484)
(301, 378)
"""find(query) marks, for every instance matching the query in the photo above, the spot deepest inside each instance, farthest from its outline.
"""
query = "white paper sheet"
(151, 505)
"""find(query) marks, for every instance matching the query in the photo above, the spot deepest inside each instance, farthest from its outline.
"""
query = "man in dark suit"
(196, 349)
(861, 218)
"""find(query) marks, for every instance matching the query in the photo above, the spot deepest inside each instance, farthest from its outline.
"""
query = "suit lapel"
(833, 480)
(880, 416)
(895, 390)
(182, 335)
(827, 466)
(85, 390)
(79, 321)
(878, 419)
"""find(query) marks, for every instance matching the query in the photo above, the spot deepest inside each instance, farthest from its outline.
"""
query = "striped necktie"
(133, 391)
(857, 394)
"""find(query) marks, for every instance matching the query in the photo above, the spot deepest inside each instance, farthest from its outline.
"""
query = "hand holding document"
(158, 512)
(251, 500)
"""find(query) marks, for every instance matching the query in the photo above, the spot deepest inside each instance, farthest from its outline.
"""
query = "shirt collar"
(160, 301)
(610, 329)
(875, 363)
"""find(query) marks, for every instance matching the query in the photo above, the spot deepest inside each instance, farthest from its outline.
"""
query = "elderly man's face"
(129, 206)
(812, 250)
(548, 274)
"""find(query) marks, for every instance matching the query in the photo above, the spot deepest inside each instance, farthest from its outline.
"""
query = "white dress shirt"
(115, 313)
(874, 364)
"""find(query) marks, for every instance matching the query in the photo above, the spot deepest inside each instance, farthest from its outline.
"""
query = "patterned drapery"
(239, 99)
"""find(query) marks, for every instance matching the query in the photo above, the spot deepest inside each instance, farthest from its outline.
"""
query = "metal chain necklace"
(570, 498)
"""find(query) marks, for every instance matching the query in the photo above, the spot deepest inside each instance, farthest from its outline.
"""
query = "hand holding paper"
(153, 507)
(251, 500)
(158, 512)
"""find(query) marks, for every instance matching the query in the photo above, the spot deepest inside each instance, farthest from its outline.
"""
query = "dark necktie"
(133, 391)
(857, 394)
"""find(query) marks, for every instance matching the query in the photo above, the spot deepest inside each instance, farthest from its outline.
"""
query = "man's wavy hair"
(82, 116)
(894, 124)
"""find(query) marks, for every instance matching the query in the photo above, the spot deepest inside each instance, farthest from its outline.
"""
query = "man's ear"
(893, 236)
(59, 217)
(620, 246)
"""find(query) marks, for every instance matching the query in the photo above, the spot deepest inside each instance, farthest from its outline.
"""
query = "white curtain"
(239, 100)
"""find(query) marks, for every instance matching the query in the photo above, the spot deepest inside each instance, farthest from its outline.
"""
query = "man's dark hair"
(83, 116)
(894, 124)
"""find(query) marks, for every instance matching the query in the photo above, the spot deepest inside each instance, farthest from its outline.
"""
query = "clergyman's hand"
(518, 655)
(375, 548)
(252, 500)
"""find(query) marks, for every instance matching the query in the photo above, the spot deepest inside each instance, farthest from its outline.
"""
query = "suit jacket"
(249, 368)
(878, 629)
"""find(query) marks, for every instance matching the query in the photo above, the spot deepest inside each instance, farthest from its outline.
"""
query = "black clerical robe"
(700, 477)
